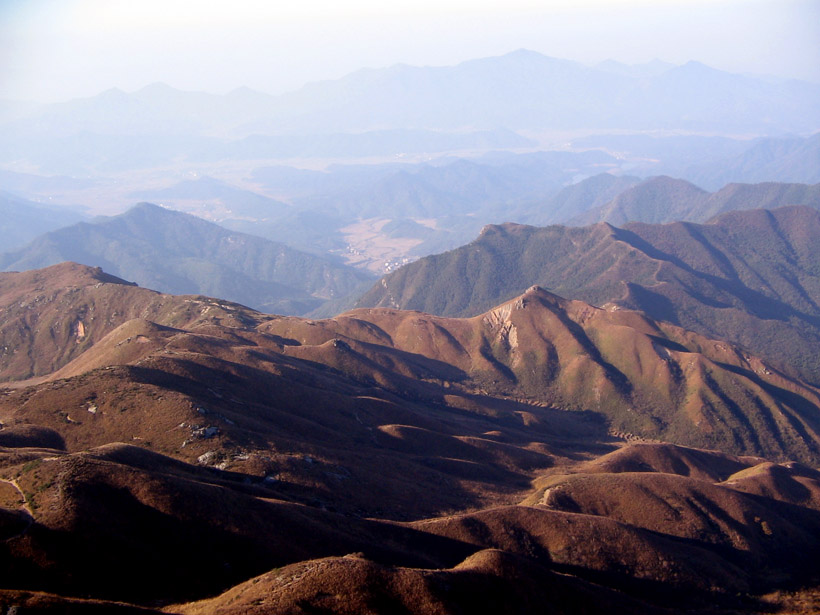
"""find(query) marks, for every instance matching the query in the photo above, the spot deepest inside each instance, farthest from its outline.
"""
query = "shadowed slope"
(488, 581)
(53, 315)
(655, 200)
(179, 253)
(665, 199)
(120, 522)
(750, 277)
(257, 442)
(648, 378)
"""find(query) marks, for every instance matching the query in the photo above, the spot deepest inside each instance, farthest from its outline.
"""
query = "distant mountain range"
(784, 160)
(617, 416)
(713, 162)
(751, 277)
(433, 208)
(22, 220)
(574, 200)
(478, 189)
(519, 90)
(481, 104)
(212, 198)
(437, 205)
(658, 199)
(665, 199)
(456, 199)
(173, 251)
(526, 90)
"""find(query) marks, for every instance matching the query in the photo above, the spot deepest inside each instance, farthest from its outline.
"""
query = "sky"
(54, 50)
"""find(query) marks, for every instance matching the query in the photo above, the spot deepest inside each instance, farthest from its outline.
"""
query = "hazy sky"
(60, 49)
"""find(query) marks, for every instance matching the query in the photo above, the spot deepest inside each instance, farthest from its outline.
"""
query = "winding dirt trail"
(24, 507)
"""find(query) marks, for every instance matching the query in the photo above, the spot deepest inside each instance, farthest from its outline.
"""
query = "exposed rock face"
(751, 278)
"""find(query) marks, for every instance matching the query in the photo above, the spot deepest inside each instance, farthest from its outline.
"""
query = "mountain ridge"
(423, 448)
(712, 278)
(664, 199)
(538, 347)
(20, 216)
(171, 250)
(402, 96)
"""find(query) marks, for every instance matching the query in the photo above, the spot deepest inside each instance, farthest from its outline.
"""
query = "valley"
(512, 335)
(369, 248)
(529, 435)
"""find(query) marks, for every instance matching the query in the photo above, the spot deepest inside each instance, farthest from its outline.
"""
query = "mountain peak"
(62, 275)
(528, 56)
(666, 180)
(544, 296)
(145, 208)
(525, 58)
(524, 53)
(696, 70)
(501, 229)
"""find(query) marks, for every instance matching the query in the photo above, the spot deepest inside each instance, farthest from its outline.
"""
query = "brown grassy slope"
(53, 315)
(648, 378)
(321, 446)
(41, 602)
(319, 422)
(748, 277)
(122, 523)
(683, 507)
(706, 465)
(789, 482)
(614, 553)
(762, 517)
(756, 530)
(281, 435)
(489, 581)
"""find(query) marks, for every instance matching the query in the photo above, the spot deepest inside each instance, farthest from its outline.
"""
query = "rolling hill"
(22, 220)
(391, 461)
(666, 199)
(227, 201)
(750, 277)
(374, 216)
(792, 159)
(648, 378)
(655, 200)
(176, 252)
(574, 200)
